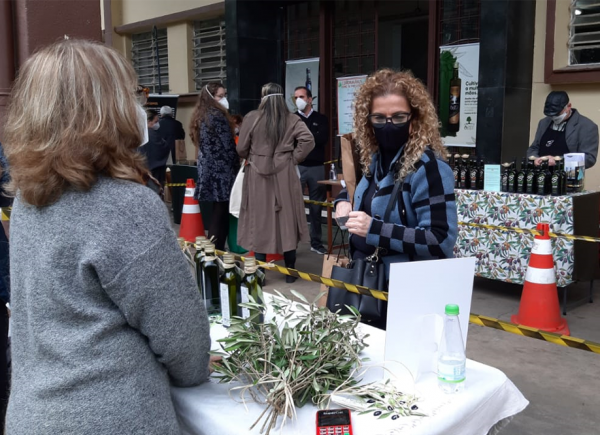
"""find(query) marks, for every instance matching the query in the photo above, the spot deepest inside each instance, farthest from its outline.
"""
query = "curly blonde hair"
(424, 120)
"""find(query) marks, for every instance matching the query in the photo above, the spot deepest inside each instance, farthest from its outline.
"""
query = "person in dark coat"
(564, 130)
(156, 150)
(311, 169)
(170, 129)
(218, 162)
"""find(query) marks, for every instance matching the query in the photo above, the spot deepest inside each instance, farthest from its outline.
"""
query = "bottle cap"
(558, 158)
(199, 239)
(181, 241)
(456, 156)
(250, 262)
(452, 310)
(532, 157)
(228, 259)
(545, 158)
(209, 248)
(465, 156)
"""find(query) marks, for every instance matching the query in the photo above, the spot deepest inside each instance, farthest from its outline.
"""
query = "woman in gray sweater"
(106, 315)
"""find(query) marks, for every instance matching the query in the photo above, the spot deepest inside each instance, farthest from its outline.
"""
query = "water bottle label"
(225, 314)
(245, 300)
(452, 373)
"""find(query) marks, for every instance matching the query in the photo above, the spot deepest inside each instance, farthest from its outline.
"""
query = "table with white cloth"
(488, 400)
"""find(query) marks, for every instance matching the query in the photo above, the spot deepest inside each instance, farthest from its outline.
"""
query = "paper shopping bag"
(350, 164)
(328, 262)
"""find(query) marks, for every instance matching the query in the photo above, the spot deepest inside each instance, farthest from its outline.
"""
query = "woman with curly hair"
(396, 131)
(218, 162)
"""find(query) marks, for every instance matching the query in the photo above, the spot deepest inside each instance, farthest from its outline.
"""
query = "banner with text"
(459, 81)
(301, 72)
(346, 89)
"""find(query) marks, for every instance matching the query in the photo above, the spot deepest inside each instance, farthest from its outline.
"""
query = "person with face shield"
(212, 132)
(311, 169)
(564, 130)
(156, 150)
(401, 152)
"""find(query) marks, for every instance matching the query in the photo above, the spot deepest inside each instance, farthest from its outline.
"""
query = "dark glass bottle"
(250, 287)
(543, 179)
(512, 177)
(530, 186)
(555, 181)
(308, 82)
(229, 290)
(473, 174)
(563, 175)
(504, 177)
(480, 174)
(454, 112)
(456, 170)
(465, 181)
(200, 242)
(522, 177)
(211, 272)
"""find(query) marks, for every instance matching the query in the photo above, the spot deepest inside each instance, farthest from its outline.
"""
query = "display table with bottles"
(488, 402)
(504, 255)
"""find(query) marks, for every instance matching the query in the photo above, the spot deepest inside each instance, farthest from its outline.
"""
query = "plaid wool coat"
(430, 206)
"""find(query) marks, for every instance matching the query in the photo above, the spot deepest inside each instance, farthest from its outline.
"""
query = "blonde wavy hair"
(424, 121)
(73, 116)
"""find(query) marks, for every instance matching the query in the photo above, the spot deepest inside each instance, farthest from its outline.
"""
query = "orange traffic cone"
(539, 303)
(191, 219)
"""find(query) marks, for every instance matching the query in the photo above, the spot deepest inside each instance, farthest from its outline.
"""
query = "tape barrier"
(377, 294)
(322, 204)
(6, 211)
(330, 162)
(175, 184)
(476, 319)
(533, 232)
(526, 331)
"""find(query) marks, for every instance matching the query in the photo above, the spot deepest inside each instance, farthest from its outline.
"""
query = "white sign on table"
(418, 294)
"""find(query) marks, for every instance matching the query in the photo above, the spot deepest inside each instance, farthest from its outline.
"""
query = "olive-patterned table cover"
(504, 255)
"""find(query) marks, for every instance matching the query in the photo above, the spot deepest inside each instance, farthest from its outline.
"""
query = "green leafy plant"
(294, 358)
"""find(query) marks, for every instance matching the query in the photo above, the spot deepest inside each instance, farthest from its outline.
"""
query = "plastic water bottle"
(452, 359)
(333, 173)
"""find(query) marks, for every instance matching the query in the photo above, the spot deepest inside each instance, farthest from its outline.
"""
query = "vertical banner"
(459, 83)
(302, 72)
(346, 89)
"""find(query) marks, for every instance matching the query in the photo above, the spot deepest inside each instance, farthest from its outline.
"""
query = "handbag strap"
(392, 203)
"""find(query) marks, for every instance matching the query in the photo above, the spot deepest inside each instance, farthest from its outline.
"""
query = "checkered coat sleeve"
(428, 196)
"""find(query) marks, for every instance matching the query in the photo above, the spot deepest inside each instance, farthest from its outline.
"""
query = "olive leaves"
(294, 358)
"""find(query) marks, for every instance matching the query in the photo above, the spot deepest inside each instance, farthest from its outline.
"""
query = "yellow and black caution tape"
(330, 162)
(533, 232)
(175, 184)
(476, 319)
(562, 340)
(322, 204)
(377, 294)
(6, 211)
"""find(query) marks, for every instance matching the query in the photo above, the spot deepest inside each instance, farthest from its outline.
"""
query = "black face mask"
(391, 137)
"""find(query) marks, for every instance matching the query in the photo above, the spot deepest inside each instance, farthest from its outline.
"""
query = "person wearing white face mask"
(312, 169)
(564, 130)
(212, 132)
(156, 150)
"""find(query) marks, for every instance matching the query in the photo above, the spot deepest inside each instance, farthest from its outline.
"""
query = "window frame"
(164, 67)
(216, 25)
(571, 74)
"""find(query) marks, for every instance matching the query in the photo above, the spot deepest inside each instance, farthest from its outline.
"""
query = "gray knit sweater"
(106, 315)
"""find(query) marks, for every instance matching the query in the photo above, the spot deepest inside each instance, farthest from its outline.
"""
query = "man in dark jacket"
(170, 130)
(564, 130)
(311, 169)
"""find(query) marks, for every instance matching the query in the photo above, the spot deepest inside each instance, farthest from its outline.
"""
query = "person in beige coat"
(274, 141)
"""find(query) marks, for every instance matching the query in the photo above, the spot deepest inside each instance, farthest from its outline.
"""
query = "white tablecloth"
(489, 397)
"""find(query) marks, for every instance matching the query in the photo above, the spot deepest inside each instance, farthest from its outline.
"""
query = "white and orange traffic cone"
(539, 306)
(191, 218)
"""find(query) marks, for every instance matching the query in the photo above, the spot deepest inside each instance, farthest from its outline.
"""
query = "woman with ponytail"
(274, 141)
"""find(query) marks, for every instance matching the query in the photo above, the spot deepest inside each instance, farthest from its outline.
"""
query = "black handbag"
(368, 272)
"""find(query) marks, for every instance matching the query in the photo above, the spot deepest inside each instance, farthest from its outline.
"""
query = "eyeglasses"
(378, 120)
